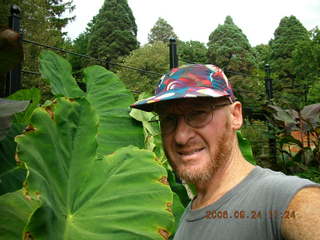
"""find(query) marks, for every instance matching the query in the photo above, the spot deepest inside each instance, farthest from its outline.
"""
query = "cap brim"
(188, 92)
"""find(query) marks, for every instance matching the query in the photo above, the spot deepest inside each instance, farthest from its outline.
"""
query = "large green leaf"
(58, 72)
(153, 142)
(109, 97)
(15, 212)
(86, 195)
(12, 175)
(33, 95)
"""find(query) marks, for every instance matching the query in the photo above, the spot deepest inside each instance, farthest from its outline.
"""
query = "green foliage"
(263, 54)
(306, 123)
(153, 142)
(41, 21)
(7, 109)
(15, 211)
(306, 61)
(85, 190)
(33, 96)
(289, 88)
(229, 49)
(114, 31)
(12, 171)
(79, 45)
(88, 194)
(108, 95)
(245, 148)
(57, 9)
(192, 52)
(250, 91)
(151, 57)
(256, 133)
(161, 31)
(58, 72)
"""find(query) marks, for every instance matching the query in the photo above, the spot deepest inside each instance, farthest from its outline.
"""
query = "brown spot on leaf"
(16, 157)
(38, 195)
(164, 233)
(164, 180)
(157, 160)
(29, 128)
(169, 207)
(27, 236)
(51, 113)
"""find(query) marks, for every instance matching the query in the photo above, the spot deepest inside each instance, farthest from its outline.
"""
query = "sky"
(195, 20)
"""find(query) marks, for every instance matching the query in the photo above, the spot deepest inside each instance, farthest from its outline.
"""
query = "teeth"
(192, 152)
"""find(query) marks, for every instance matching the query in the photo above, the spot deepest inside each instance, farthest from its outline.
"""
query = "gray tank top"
(251, 210)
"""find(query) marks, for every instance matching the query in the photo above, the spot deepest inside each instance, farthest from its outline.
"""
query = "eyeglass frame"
(177, 116)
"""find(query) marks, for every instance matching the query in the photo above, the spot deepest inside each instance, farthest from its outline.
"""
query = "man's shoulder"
(279, 185)
(278, 179)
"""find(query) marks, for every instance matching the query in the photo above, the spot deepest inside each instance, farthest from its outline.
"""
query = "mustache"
(190, 145)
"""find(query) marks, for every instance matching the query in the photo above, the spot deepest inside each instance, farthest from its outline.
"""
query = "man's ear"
(236, 115)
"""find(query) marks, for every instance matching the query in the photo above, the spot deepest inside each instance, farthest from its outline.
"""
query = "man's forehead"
(188, 104)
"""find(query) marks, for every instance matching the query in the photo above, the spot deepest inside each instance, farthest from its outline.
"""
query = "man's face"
(195, 153)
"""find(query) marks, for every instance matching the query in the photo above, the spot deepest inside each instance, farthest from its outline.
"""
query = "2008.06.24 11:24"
(253, 214)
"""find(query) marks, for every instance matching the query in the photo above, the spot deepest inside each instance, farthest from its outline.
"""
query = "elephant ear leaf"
(58, 72)
(108, 95)
(87, 195)
(15, 212)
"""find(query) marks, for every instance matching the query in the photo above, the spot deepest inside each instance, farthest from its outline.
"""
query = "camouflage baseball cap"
(189, 81)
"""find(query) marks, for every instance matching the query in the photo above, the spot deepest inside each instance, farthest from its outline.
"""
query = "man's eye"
(197, 113)
(167, 118)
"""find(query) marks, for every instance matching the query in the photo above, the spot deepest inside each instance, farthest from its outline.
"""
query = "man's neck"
(235, 169)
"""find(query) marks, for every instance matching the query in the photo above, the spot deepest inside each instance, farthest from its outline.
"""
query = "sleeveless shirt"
(251, 210)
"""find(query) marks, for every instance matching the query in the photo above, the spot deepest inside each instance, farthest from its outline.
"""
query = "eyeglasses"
(195, 119)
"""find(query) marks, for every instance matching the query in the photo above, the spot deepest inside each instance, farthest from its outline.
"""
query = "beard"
(203, 174)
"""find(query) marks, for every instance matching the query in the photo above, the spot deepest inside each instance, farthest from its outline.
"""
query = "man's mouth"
(190, 152)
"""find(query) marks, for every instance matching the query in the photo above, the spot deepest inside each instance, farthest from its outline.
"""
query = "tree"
(79, 45)
(38, 19)
(56, 10)
(151, 57)
(306, 59)
(114, 32)
(161, 31)
(289, 90)
(192, 52)
(262, 53)
(229, 48)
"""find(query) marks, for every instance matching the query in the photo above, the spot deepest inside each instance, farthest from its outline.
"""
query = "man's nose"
(183, 131)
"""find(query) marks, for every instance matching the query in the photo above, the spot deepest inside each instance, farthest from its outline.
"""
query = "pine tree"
(114, 32)
(289, 91)
(229, 48)
(56, 8)
(161, 31)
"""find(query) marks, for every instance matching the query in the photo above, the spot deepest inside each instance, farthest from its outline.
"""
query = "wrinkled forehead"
(185, 105)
